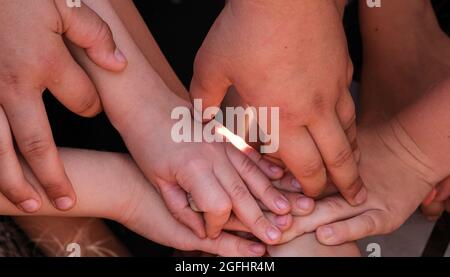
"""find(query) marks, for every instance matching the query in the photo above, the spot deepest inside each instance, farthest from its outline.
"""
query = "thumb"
(86, 29)
(209, 82)
(430, 197)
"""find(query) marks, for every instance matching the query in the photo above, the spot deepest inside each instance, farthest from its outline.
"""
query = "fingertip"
(112, 60)
(93, 109)
(120, 57)
(274, 172)
(213, 234)
(283, 222)
(312, 192)
(295, 184)
(304, 205)
(326, 235)
(282, 204)
(273, 235)
(257, 249)
(361, 196)
(31, 205)
(64, 203)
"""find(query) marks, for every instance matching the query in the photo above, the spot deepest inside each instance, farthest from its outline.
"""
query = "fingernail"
(29, 206)
(281, 220)
(273, 233)
(120, 57)
(257, 248)
(63, 203)
(361, 196)
(326, 232)
(304, 203)
(282, 203)
(296, 185)
(275, 169)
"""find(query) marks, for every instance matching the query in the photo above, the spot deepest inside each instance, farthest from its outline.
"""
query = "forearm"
(104, 183)
(143, 38)
(427, 122)
(138, 88)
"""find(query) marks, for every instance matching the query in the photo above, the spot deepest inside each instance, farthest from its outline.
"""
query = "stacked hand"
(34, 57)
(292, 55)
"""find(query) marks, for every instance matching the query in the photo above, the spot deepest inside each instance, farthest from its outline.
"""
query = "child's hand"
(33, 57)
(147, 215)
(219, 177)
(291, 55)
(396, 182)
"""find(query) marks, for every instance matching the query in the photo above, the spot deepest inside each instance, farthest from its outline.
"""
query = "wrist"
(427, 123)
(126, 186)
(150, 107)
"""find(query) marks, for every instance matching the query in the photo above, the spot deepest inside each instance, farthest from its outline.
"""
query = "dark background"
(179, 26)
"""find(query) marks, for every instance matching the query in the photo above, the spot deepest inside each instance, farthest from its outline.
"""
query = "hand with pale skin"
(395, 191)
(33, 57)
(402, 160)
(219, 177)
(292, 55)
(111, 186)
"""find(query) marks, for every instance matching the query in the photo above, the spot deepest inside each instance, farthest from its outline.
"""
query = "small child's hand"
(218, 176)
(148, 216)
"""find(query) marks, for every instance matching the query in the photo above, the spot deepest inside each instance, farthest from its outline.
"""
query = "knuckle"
(15, 192)
(312, 168)
(269, 192)
(332, 205)
(239, 191)
(55, 189)
(319, 103)
(248, 167)
(102, 34)
(341, 158)
(36, 146)
(260, 220)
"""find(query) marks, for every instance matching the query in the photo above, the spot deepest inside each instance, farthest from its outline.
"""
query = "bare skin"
(404, 56)
(33, 57)
(143, 97)
(273, 52)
